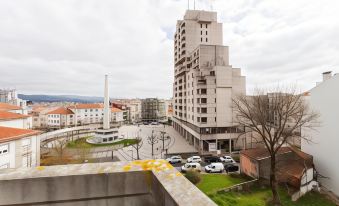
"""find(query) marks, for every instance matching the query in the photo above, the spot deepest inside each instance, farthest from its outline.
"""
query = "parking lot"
(202, 164)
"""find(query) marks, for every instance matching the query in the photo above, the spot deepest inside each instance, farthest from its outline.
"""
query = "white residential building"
(19, 148)
(10, 119)
(60, 118)
(324, 99)
(204, 84)
(88, 113)
(12, 108)
(117, 115)
(14, 116)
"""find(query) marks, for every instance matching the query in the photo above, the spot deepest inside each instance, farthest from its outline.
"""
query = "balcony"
(111, 183)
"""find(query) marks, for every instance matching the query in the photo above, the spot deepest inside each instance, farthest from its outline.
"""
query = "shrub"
(193, 176)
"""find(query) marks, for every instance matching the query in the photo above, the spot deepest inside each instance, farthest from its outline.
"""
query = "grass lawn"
(81, 143)
(210, 183)
(259, 196)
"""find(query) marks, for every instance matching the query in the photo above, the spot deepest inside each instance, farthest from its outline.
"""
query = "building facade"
(10, 119)
(324, 99)
(10, 96)
(204, 84)
(88, 113)
(60, 118)
(19, 148)
(153, 110)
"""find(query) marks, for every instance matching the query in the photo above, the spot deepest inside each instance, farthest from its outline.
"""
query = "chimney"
(327, 75)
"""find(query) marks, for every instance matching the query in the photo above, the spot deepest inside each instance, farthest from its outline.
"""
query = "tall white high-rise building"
(204, 84)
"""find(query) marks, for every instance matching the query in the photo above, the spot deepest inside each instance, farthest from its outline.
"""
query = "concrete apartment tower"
(204, 84)
(106, 134)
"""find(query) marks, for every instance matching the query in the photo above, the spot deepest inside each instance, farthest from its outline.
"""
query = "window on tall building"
(206, 26)
(212, 73)
(206, 32)
(201, 39)
(204, 119)
(203, 100)
(200, 25)
(198, 109)
(200, 32)
(206, 39)
(204, 110)
(198, 119)
(203, 91)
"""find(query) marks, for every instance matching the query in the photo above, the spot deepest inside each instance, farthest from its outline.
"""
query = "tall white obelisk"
(106, 119)
(106, 134)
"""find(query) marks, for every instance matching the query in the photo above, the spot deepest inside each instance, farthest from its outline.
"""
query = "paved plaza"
(175, 144)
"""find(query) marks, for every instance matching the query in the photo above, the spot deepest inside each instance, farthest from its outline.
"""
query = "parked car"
(226, 159)
(191, 166)
(211, 159)
(145, 123)
(194, 159)
(174, 159)
(154, 123)
(231, 168)
(214, 167)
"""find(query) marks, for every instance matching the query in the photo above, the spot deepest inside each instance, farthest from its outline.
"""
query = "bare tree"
(163, 138)
(277, 118)
(152, 140)
(83, 153)
(58, 152)
(137, 146)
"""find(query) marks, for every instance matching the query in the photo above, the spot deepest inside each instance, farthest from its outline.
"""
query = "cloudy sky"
(66, 46)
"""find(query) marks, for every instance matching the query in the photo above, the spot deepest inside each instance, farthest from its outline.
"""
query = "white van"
(191, 166)
(214, 167)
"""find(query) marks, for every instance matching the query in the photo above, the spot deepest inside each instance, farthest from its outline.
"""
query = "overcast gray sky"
(66, 46)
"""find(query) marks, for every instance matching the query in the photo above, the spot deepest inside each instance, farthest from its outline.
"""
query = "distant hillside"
(60, 98)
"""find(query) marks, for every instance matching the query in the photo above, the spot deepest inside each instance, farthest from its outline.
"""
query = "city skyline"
(66, 47)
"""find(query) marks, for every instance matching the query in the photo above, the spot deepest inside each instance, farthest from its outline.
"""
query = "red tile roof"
(9, 133)
(114, 109)
(4, 115)
(6, 107)
(87, 106)
(61, 110)
(262, 153)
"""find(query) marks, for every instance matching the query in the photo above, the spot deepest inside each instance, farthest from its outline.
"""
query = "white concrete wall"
(7, 159)
(16, 123)
(324, 98)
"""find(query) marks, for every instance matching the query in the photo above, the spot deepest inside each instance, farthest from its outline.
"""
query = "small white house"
(19, 147)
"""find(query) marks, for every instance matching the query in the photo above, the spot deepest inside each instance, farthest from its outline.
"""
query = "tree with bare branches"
(59, 147)
(276, 117)
(137, 146)
(152, 140)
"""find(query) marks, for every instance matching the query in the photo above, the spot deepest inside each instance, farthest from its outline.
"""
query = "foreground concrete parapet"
(136, 183)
